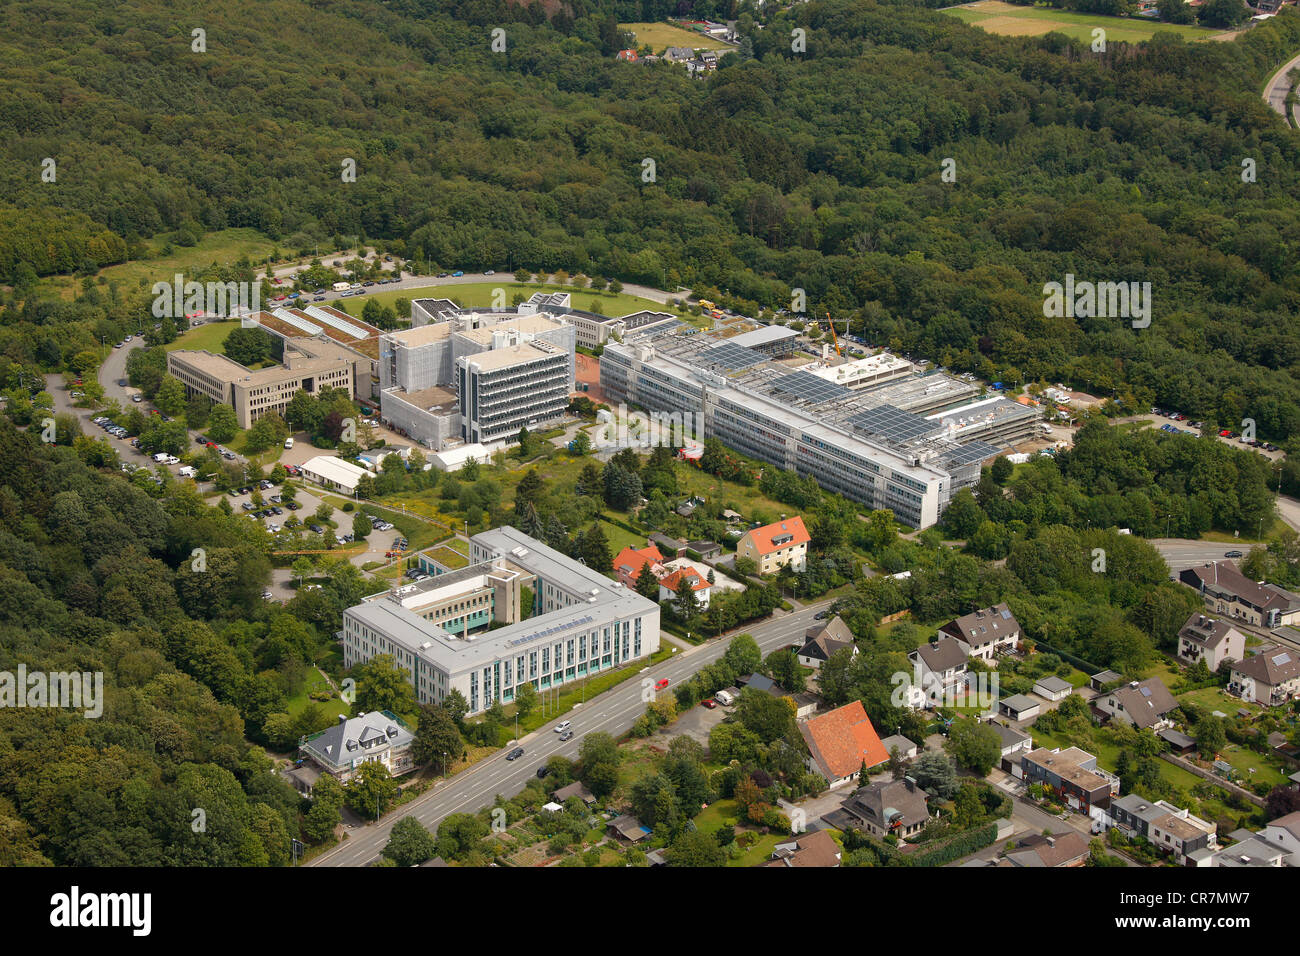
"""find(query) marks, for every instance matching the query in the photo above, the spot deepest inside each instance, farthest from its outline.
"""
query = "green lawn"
(1108, 755)
(210, 336)
(1215, 698)
(660, 36)
(222, 247)
(315, 682)
(481, 295)
(1005, 19)
(620, 538)
(1244, 761)
(724, 813)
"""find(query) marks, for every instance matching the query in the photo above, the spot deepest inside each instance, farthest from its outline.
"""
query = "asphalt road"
(1183, 553)
(1278, 87)
(613, 712)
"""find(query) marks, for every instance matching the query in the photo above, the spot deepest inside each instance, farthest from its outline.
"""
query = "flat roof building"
(582, 623)
(873, 447)
(253, 394)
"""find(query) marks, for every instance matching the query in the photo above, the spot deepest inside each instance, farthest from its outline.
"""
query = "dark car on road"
(567, 735)
(542, 771)
(515, 754)
(1232, 554)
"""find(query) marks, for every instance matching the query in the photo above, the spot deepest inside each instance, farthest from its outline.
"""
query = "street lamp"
(444, 765)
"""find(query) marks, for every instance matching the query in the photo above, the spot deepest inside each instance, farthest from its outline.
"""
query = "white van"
(723, 698)
(186, 471)
(160, 457)
(288, 443)
(171, 460)
(340, 286)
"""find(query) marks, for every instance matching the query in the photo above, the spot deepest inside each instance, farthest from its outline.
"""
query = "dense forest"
(819, 170)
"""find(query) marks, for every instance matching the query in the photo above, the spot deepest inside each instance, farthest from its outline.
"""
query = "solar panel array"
(729, 355)
(892, 423)
(565, 626)
(810, 388)
(284, 315)
(972, 451)
(336, 323)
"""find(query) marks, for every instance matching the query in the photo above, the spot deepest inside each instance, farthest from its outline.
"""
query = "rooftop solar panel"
(728, 355)
(892, 423)
(808, 387)
(971, 452)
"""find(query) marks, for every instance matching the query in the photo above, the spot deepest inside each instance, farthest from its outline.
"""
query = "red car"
(710, 703)
(1225, 433)
(661, 683)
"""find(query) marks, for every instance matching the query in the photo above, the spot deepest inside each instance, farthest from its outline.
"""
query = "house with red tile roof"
(671, 583)
(630, 560)
(840, 741)
(776, 544)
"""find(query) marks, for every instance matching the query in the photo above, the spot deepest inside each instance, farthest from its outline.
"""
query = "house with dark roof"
(907, 748)
(774, 545)
(576, 789)
(815, 849)
(1103, 680)
(1143, 704)
(937, 670)
(1050, 850)
(1020, 707)
(888, 806)
(1211, 640)
(376, 737)
(629, 828)
(1226, 590)
(986, 633)
(1271, 676)
(824, 640)
(1073, 775)
(1014, 743)
(840, 742)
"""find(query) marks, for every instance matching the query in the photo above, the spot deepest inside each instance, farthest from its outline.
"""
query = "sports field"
(1009, 20)
(661, 36)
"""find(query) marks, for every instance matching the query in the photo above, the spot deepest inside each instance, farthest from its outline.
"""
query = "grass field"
(480, 295)
(225, 246)
(209, 336)
(660, 36)
(1008, 20)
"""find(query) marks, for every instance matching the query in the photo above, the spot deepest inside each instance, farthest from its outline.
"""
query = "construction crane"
(835, 338)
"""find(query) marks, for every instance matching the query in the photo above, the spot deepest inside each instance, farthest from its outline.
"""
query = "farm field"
(1009, 20)
(660, 36)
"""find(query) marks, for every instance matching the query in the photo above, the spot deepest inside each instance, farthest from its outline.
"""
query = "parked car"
(457, 273)
(709, 703)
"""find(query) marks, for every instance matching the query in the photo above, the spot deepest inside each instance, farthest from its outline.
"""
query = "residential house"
(1143, 704)
(840, 742)
(1211, 640)
(816, 849)
(629, 56)
(1015, 743)
(1019, 707)
(1284, 832)
(1247, 850)
(888, 806)
(377, 737)
(774, 545)
(1052, 850)
(630, 561)
(673, 581)
(988, 632)
(1053, 688)
(938, 669)
(1172, 829)
(823, 640)
(679, 54)
(1073, 775)
(1227, 591)
(1270, 677)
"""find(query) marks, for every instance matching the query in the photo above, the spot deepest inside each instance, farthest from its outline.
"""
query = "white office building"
(582, 623)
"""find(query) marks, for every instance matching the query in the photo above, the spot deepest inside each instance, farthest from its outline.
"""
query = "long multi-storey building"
(581, 623)
(253, 394)
(872, 445)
